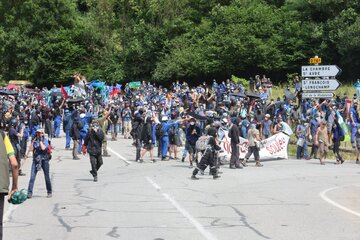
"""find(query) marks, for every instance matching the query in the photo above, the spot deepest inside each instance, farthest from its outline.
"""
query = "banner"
(134, 84)
(275, 147)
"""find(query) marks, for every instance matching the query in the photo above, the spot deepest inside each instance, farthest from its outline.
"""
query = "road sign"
(318, 95)
(135, 84)
(320, 71)
(315, 60)
(319, 84)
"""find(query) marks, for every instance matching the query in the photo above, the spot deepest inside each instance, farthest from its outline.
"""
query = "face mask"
(192, 123)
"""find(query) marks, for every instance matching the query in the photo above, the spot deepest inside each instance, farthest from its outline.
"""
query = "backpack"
(341, 134)
(202, 143)
(159, 132)
(171, 131)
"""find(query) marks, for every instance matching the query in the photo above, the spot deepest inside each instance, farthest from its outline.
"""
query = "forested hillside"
(126, 40)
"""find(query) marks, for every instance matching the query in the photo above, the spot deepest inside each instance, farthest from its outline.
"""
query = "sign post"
(318, 78)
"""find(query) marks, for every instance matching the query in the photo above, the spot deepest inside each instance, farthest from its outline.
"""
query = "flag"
(118, 86)
(64, 92)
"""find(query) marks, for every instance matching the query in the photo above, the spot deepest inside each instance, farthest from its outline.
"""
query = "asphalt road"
(286, 199)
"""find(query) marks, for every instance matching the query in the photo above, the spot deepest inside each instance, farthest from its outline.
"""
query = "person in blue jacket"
(165, 138)
(67, 123)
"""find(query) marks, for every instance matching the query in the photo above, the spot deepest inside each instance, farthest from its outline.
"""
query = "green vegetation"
(164, 40)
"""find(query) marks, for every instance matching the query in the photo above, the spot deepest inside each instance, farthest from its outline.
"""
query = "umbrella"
(11, 86)
(197, 116)
(253, 95)
(77, 100)
(56, 94)
(239, 94)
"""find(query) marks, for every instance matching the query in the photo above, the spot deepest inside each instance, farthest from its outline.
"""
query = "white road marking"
(155, 185)
(8, 213)
(328, 200)
(206, 234)
(119, 156)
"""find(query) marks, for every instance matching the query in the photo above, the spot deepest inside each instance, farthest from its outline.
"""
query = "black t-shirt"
(13, 136)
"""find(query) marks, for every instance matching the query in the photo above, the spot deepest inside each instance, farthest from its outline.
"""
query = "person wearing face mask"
(234, 134)
(192, 135)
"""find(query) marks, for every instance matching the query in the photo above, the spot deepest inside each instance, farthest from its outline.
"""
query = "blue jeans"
(164, 146)
(46, 169)
(82, 137)
(353, 132)
(57, 124)
(303, 149)
(68, 138)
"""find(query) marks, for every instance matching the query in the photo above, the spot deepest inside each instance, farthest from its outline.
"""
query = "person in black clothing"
(209, 157)
(93, 143)
(146, 138)
(75, 135)
(338, 135)
(234, 134)
(14, 139)
(136, 133)
(193, 133)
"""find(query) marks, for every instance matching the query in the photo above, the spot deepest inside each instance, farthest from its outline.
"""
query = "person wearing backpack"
(193, 133)
(209, 157)
(338, 136)
(302, 132)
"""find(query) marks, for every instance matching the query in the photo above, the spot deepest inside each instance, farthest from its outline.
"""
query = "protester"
(253, 145)
(93, 145)
(41, 158)
(8, 163)
(322, 141)
(75, 135)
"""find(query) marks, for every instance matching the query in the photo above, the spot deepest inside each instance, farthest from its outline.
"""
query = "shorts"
(148, 146)
(323, 149)
(191, 148)
(329, 127)
(174, 140)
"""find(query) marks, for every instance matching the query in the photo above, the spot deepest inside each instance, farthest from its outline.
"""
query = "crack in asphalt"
(244, 220)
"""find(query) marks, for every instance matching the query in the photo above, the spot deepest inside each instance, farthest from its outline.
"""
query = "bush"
(242, 81)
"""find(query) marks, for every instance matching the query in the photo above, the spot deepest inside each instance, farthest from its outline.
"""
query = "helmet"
(224, 121)
(164, 118)
(18, 197)
(14, 122)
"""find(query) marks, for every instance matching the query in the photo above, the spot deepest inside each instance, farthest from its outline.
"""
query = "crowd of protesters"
(166, 118)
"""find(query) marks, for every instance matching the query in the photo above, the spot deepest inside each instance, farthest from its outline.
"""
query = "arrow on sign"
(318, 95)
(320, 84)
(320, 71)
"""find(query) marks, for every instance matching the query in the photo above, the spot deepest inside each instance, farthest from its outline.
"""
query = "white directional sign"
(319, 84)
(320, 71)
(317, 95)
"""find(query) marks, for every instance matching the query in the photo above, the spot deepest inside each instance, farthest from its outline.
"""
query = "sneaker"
(232, 167)
(49, 195)
(216, 176)
(106, 155)
(258, 165)
(357, 161)
(342, 161)
(91, 172)
(29, 195)
(182, 159)
(239, 167)
(243, 163)
(191, 165)
(193, 177)
(95, 179)
(153, 160)
(21, 173)
(76, 158)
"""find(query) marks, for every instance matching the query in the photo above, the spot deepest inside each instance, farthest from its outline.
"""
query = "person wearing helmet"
(193, 133)
(14, 137)
(165, 138)
(209, 157)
